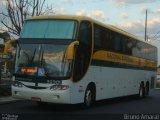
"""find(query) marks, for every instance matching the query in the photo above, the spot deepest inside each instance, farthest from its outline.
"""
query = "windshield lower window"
(43, 60)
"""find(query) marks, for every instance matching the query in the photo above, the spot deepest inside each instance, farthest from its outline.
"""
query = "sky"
(128, 15)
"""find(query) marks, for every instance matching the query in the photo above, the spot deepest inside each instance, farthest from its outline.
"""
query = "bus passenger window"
(85, 34)
(97, 37)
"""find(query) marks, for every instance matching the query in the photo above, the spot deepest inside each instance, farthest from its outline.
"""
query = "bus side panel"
(116, 82)
(77, 90)
(110, 82)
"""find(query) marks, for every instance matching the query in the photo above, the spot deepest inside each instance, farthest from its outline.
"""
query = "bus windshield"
(57, 29)
(43, 60)
(38, 57)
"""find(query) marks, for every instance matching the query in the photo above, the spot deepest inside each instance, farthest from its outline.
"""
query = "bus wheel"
(88, 98)
(141, 91)
(147, 89)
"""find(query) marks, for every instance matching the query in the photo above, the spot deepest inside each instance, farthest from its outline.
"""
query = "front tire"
(88, 98)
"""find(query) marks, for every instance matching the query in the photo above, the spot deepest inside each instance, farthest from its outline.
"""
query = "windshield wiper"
(31, 60)
(41, 60)
(26, 56)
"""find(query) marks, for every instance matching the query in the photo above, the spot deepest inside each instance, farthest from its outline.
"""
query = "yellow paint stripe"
(124, 59)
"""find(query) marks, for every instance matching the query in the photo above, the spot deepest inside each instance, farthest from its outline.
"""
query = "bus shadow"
(61, 108)
(121, 100)
(65, 108)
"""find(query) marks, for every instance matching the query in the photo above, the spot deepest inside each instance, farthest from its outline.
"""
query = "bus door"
(83, 51)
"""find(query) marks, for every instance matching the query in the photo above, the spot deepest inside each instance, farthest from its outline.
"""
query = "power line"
(155, 37)
(155, 34)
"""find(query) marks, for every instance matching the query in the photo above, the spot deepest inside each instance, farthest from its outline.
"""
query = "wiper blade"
(31, 60)
(41, 60)
(26, 56)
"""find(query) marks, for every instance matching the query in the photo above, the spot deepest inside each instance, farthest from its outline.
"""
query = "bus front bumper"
(45, 95)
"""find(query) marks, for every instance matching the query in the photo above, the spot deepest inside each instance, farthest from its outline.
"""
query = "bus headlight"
(59, 87)
(17, 84)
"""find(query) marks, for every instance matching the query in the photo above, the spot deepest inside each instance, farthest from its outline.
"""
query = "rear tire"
(147, 89)
(141, 91)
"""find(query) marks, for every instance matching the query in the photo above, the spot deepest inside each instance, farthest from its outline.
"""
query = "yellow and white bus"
(75, 59)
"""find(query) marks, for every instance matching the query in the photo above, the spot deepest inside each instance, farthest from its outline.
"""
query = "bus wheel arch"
(90, 95)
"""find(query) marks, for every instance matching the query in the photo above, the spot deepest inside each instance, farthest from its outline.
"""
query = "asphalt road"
(118, 109)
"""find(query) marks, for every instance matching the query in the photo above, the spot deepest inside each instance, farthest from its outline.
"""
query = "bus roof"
(80, 18)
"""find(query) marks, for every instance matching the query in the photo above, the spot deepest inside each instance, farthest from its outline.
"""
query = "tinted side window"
(86, 33)
(101, 37)
(97, 37)
(107, 44)
(117, 45)
(83, 50)
(106, 39)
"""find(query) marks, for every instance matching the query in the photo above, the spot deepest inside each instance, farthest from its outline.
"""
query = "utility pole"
(146, 38)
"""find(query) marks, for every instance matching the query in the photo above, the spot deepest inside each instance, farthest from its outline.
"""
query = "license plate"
(36, 99)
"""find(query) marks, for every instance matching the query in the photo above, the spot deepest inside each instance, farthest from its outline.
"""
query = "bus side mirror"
(71, 50)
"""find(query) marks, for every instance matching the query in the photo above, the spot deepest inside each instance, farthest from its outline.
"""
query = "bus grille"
(36, 87)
